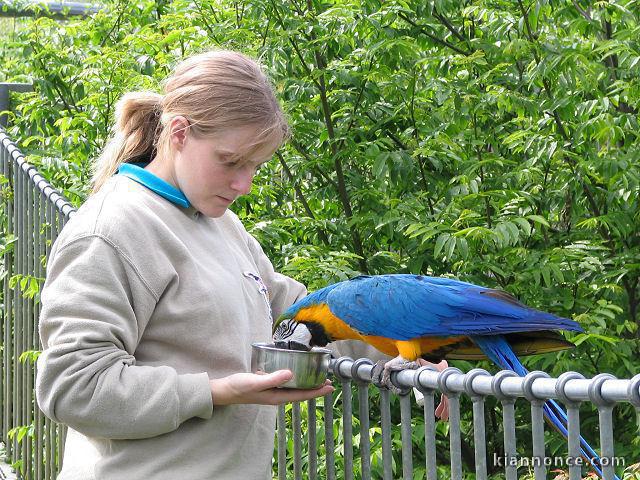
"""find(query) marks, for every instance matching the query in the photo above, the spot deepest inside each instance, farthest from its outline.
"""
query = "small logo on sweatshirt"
(264, 291)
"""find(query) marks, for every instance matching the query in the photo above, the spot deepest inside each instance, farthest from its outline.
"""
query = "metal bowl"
(309, 368)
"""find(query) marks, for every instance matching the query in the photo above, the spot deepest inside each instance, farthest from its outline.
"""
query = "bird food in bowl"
(309, 368)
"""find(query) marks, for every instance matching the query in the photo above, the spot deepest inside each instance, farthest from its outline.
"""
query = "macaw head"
(304, 325)
(292, 335)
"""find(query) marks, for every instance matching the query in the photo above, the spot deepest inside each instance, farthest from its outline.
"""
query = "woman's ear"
(178, 130)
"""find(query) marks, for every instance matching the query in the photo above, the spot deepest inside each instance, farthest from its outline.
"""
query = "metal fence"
(33, 213)
(603, 391)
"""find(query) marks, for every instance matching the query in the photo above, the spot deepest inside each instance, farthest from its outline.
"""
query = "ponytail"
(134, 137)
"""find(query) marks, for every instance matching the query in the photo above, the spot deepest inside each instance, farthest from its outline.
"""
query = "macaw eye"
(284, 330)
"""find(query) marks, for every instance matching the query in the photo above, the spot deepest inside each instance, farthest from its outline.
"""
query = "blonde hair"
(214, 91)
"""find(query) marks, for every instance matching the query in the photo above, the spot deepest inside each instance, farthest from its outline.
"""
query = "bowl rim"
(271, 346)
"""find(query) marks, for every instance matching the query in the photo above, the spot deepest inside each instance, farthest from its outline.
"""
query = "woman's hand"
(261, 389)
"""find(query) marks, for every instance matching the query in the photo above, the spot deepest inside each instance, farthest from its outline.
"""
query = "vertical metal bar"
(573, 414)
(430, 434)
(29, 326)
(509, 423)
(537, 432)
(60, 430)
(385, 414)
(405, 423)
(39, 248)
(7, 380)
(605, 417)
(479, 437)
(282, 443)
(17, 325)
(24, 321)
(605, 420)
(297, 440)
(3, 160)
(313, 444)
(365, 444)
(454, 437)
(328, 437)
(50, 442)
(347, 427)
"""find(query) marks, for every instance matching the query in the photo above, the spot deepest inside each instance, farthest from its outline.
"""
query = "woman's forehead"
(245, 145)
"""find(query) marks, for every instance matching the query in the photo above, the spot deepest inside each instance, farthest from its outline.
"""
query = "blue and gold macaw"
(416, 316)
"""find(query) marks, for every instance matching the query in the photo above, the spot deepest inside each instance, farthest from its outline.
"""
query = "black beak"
(291, 345)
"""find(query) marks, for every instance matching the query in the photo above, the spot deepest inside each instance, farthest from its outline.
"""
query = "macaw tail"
(501, 353)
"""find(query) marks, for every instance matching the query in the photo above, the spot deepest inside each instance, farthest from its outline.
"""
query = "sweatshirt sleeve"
(95, 305)
(283, 290)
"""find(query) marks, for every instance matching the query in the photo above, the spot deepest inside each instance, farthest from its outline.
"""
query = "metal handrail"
(604, 391)
(44, 8)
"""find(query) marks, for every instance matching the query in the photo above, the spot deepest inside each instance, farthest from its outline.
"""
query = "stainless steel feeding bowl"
(309, 368)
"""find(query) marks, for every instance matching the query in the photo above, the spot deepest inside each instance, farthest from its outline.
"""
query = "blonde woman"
(155, 290)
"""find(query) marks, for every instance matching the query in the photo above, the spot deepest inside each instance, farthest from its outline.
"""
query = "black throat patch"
(319, 336)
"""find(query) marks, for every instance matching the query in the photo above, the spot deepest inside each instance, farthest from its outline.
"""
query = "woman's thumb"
(276, 378)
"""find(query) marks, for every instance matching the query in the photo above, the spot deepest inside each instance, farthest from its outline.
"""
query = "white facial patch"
(290, 330)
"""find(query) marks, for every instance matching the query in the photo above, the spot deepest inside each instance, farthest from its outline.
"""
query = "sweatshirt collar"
(137, 173)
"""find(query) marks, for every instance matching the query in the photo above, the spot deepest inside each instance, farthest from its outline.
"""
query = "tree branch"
(301, 197)
(433, 37)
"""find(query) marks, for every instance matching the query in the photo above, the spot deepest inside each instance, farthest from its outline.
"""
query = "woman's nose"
(242, 180)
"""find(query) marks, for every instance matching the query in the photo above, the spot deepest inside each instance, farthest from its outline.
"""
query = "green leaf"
(442, 238)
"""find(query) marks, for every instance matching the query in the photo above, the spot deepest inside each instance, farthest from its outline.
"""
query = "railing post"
(454, 421)
(347, 418)
(5, 100)
(363, 413)
(329, 437)
(537, 422)
(573, 422)
(429, 423)
(508, 422)
(605, 421)
(479, 436)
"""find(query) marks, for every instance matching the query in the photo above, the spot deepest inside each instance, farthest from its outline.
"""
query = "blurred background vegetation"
(495, 141)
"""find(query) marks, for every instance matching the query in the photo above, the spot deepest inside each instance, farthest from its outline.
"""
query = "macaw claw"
(381, 373)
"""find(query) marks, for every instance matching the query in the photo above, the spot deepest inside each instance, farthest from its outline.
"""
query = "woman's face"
(209, 172)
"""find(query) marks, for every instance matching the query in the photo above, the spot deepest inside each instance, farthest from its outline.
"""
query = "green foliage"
(492, 141)
(28, 284)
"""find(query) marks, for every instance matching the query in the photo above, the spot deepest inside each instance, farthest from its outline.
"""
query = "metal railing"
(34, 213)
(603, 391)
(13, 8)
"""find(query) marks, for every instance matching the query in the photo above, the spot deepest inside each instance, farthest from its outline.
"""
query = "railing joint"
(561, 387)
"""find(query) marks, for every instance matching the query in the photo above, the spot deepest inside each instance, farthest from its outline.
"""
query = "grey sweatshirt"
(144, 302)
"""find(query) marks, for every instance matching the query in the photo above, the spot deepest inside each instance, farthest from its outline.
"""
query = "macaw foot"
(442, 410)
(381, 373)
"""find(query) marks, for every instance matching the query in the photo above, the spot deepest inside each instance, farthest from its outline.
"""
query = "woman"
(155, 291)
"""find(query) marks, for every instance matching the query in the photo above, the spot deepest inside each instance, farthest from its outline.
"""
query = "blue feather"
(499, 351)
(404, 307)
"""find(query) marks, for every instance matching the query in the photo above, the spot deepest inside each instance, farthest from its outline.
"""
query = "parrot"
(410, 317)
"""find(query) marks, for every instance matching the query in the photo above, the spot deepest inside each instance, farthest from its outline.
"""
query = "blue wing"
(404, 307)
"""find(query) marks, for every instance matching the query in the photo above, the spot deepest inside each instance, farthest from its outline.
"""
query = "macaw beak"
(292, 345)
